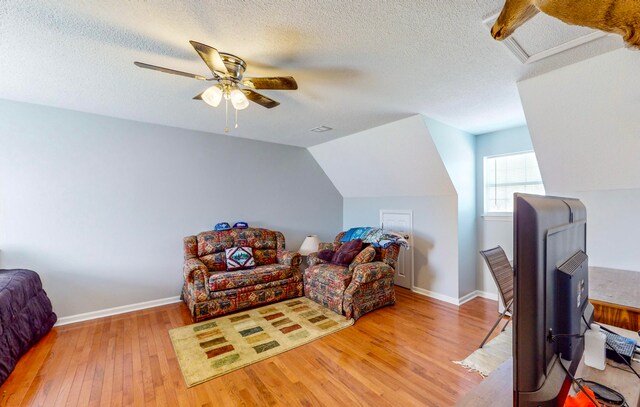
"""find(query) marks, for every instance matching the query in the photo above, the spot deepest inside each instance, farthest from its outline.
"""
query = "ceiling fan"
(228, 71)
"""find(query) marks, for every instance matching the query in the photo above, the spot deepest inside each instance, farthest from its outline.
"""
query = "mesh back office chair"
(502, 273)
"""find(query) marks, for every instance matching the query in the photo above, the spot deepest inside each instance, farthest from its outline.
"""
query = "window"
(506, 174)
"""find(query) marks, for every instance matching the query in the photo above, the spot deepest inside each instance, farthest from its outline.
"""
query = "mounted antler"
(615, 16)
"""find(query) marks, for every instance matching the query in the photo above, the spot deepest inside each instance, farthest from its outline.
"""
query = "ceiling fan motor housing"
(235, 65)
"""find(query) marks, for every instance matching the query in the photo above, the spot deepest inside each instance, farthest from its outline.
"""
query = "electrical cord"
(620, 366)
(552, 338)
(604, 393)
(573, 379)
(624, 360)
(614, 349)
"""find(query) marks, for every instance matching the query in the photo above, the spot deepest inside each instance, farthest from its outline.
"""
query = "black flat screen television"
(550, 296)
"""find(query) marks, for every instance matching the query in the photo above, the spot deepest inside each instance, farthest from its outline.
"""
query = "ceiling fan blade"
(260, 99)
(167, 70)
(211, 57)
(275, 83)
(198, 96)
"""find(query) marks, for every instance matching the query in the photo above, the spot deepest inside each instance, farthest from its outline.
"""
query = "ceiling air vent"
(321, 129)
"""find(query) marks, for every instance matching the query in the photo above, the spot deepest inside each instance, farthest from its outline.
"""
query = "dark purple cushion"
(326, 255)
(347, 252)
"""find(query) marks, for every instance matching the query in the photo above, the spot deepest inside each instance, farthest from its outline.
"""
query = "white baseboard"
(478, 293)
(453, 300)
(116, 310)
(468, 297)
(170, 300)
(437, 296)
(489, 296)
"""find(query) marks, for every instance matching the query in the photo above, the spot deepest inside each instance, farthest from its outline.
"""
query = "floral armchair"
(354, 290)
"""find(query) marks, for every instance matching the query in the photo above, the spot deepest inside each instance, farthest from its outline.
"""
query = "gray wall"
(435, 236)
(613, 227)
(98, 206)
(457, 150)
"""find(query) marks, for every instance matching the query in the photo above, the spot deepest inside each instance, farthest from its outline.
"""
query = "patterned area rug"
(487, 359)
(212, 348)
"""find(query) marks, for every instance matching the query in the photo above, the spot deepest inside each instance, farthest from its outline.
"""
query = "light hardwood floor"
(395, 356)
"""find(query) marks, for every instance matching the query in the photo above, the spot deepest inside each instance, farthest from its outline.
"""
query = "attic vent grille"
(544, 36)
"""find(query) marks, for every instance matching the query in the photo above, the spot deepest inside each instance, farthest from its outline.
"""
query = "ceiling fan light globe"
(212, 96)
(239, 100)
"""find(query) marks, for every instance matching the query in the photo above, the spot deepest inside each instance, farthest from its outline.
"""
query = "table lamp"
(310, 245)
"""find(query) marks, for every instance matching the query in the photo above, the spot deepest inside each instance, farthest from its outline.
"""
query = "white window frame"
(490, 214)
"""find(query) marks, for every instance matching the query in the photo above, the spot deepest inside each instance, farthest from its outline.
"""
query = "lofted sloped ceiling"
(584, 123)
(359, 64)
(395, 159)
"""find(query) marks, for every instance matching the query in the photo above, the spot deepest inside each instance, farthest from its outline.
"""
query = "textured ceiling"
(359, 64)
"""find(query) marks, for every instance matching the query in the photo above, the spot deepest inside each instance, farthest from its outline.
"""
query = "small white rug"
(487, 359)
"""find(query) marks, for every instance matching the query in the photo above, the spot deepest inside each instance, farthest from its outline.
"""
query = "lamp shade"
(212, 96)
(310, 245)
(238, 99)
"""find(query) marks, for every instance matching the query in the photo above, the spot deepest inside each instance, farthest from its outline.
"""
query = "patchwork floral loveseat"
(210, 290)
(354, 290)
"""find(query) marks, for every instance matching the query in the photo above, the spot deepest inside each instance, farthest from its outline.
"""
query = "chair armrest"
(313, 259)
(195, 269)
(328, 246)
(288, 258)
(196, 276)
(367, 272)
(390, 255)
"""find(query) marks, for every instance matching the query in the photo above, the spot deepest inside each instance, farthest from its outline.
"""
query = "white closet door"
(401, 221)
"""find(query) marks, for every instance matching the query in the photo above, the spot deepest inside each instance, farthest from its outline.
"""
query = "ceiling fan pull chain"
(236, 118)
(226, 115)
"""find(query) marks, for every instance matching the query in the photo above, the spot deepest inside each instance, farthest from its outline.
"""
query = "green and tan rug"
(212, 348)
